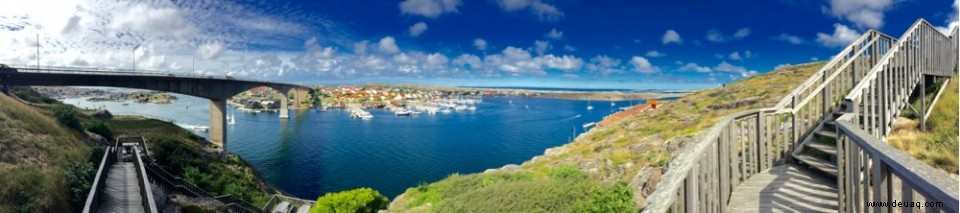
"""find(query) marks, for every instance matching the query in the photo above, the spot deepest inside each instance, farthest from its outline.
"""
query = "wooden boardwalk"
(122, 193)
(786, 188)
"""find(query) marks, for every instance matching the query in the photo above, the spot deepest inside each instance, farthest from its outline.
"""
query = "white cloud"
(604, 65)
(554, 34)
(417, 29)
(671, 36)
(864, 13)
(541, 47)
(360, 48)
(566, 63)
(569, 48)
(735, 56)
(694, 67)
(542, 10)
(715, 36)
(788, 38)
(655, 54)
(480, 44)
(642, 65)
(741, 33)
(469, 61)
(388, 45)
(429, 8)
(154, 20)
(841, 37)
(210, 50)
(727, 67)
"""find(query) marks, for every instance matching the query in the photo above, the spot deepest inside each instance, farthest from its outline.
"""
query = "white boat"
(230, 120)
(415, 112)
(472, 108)
(445, 111)
(460, 107)
(612, 103)
(589, 107)
(588, 125)
(402, 112)
(360, 113)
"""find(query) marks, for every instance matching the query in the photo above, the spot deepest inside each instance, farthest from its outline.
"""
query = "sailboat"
(230, 120)
(612, 103)
(589, 107)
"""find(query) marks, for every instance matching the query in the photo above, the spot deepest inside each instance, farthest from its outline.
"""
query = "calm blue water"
(317, 152)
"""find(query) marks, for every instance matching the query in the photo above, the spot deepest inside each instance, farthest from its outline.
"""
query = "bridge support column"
(218, 112)
(284, 112)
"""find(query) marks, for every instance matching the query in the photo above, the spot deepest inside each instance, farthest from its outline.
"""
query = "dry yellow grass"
(33, 152)
(938, 146)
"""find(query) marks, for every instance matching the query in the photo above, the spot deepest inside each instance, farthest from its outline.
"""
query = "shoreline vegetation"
(621, 161)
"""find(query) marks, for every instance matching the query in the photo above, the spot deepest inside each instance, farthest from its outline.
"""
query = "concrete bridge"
(216, 89)
(823, 147)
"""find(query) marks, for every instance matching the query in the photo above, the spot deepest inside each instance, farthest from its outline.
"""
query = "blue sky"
(543, 43)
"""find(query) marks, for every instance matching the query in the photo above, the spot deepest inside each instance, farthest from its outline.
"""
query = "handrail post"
(692, 191)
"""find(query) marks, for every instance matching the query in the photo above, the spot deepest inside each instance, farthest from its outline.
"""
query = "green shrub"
(357, 200)
(566, 172)
(80, 176)
(616, 198)
(66, 116)
(101, 128)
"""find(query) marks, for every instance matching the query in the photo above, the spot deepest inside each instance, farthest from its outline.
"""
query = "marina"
(315, 151)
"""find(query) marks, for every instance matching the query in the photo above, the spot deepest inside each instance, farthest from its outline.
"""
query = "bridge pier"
(284, 112)
(218, 112)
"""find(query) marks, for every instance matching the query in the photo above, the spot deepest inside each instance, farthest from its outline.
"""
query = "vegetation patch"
(188, 156)
(362, 200)
(607, 155)
(938, 146)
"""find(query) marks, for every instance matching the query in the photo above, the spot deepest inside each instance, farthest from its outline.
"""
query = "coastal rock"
(102, 114)
(510, 168)
(643, 184)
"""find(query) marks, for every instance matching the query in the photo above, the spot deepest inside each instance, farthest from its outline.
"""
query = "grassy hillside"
(938, 146)
(620, 161)
(37, 157)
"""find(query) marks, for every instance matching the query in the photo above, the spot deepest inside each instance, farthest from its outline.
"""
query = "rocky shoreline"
(99, 95)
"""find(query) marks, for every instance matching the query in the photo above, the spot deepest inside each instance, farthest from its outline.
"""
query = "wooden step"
(827, 133)
(822, 147)
(817, 164)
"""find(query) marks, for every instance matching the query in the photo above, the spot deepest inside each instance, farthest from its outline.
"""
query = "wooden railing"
(172, 184)
(812, 104)
(146, 193)
(741, 145)
(886, 89)
(869, 170)
(703, 176)
(93, 197)
(873, 171)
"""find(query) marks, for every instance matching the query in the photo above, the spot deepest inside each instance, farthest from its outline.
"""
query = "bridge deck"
(786, 188)
(122, 192)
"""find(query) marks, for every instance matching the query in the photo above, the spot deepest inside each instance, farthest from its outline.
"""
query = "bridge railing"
(865, 162)
(104, 71)
(873, 171)
(93, 197)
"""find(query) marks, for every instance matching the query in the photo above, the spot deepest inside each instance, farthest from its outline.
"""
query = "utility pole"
(135, 56)
(38, 52)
